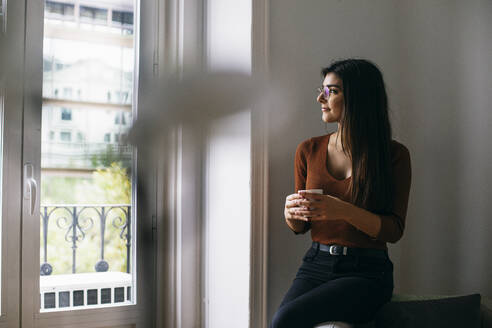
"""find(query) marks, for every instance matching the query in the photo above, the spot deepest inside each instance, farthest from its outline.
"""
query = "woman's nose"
(321, 99)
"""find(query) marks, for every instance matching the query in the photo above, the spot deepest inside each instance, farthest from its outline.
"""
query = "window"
(47, 65)
(94, 14)
(67, 93)
(57, 8)
(80, 137)
(121, 96)
(66, 136)
(120, 119)
(123, 137)
(122, 17)
(124, 97)
(66, 114)
(88, 61)
(52, 135)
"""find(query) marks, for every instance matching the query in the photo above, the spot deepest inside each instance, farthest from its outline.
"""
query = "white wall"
(227, 221)
(447, 50)
(227, 177)
(435, 57)
(229, 35)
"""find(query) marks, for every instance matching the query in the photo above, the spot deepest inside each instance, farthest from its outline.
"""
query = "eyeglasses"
(325, 91)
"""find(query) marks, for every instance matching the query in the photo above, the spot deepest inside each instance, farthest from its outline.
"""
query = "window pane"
(95, 70)
(122, 17)
(66, 136)
(58, 8)
(66, 114)
(86, 174)
(94, 14)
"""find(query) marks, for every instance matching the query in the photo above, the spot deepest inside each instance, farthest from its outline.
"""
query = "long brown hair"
(366, 133)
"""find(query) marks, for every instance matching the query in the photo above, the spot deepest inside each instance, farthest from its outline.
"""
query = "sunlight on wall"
(228, 193)
(228, 219)
(229, 35)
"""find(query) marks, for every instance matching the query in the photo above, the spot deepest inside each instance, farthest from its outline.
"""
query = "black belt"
(344, 250)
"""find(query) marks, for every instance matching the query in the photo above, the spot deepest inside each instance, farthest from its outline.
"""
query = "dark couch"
(470, 311)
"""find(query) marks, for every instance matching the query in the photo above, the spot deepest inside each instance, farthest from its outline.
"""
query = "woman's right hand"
(293, 203)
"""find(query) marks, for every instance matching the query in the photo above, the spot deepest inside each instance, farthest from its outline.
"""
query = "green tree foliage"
(109, 185)
(113, 184)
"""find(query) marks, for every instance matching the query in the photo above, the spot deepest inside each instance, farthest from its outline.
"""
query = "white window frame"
(175, 48)
(180, 36)
(142, 313)
(11, 202)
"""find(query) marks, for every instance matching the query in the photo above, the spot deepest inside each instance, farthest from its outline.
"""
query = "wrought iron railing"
(77, 220)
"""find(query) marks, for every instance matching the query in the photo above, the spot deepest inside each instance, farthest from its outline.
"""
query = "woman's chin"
(325, 118)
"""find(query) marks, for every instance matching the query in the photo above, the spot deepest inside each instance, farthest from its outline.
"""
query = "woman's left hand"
(322, 207)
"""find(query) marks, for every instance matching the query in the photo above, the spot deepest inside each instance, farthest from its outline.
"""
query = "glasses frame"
(324, 91)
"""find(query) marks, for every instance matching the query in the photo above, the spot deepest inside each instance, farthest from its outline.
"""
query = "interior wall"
(228, 27)
(227, 176)
(433, 55)
(445, 47)
(227, 221)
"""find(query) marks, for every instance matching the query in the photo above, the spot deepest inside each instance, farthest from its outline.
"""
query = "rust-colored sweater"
(311, 172)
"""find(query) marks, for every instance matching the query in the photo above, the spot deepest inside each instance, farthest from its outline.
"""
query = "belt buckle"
(337, 250)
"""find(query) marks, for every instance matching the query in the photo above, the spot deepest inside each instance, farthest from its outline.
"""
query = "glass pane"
(87, 175)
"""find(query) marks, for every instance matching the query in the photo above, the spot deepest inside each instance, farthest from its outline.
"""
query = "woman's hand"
(294, 204)
(320, 207)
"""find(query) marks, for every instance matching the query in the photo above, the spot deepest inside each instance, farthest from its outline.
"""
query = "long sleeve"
(300, 167)
(300, 176)
(392, 226)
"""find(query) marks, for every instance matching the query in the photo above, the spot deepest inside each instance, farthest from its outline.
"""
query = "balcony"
(65, 228)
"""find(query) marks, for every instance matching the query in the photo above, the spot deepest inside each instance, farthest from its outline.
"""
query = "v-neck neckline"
(325, 160)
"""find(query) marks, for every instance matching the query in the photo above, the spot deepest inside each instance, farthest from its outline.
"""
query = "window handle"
(30, 187)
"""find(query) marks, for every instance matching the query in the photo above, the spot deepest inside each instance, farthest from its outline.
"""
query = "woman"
(347, 275)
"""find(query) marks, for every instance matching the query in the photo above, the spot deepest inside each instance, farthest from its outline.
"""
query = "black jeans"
(335, 288)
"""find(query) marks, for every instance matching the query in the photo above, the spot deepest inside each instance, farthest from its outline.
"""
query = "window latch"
(30, 187)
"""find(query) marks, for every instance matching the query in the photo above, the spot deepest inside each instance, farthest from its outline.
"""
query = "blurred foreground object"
(196, 98)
